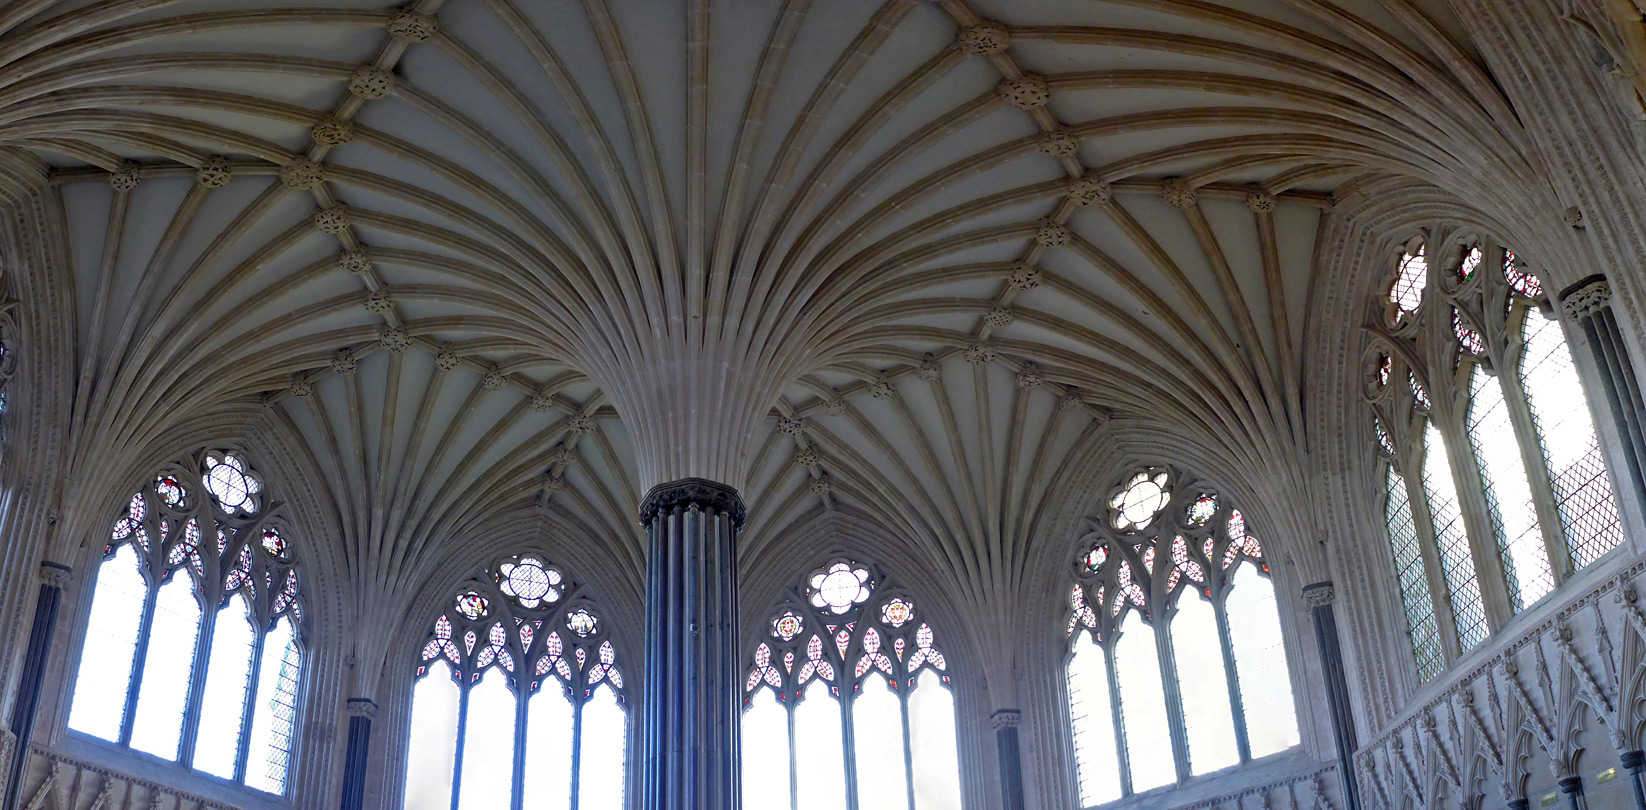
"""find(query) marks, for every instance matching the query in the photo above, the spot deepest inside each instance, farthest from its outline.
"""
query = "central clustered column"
(691, 695)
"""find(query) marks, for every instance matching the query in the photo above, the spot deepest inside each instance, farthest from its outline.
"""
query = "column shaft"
(53, 576)
(1588, 303)
(690, 746)
(1635, 763)
(361, 713)
(1320, 597)
(1005, 724)
(1572, 786)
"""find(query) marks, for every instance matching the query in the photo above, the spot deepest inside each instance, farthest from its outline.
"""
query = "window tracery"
(197, 572)
(518, 698)
(847, 702)
(1492, 437)
(1164, 648)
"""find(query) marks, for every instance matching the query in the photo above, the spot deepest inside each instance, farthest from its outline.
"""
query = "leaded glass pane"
(432, 754)
(167, 668)
(1410, 576)
(1457, 563)
(488, 745)
(268, 754)
(228, 676)
(1582, 490)
(110, 645)
(602, 756)
(877, 720)
(548, 784)
(1096, 761)
(1208, 719)
(1508, 493)
(820, 770)
(932, 744)
(766, 752)
(1143, 706)
(1260, 662)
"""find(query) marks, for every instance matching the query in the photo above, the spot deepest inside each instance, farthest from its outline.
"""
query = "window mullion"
(1174, 696)
(242, 755)
(1439, 590)
(1477, 524)
(848, 741)
(135, 685)
(577, 748)
(908, 743)
(1231, 677)
(794, 767)
(457, 756)
(1537, 468)
(197, 676)
(517, 782)
(1124, 757)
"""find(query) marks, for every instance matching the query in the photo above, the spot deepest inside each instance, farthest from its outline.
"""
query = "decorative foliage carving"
(1026, 93)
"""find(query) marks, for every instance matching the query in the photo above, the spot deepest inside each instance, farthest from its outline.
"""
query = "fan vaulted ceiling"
(906, 260)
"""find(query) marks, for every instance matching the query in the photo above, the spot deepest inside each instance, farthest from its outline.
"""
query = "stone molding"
(362, 707)
(1319, 595)
(1586, 297)
(1005, 718)
(55, 574)
(688, 493)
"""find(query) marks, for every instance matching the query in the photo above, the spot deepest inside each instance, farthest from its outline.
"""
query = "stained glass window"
(1130, 593)
(1507, 395)
(196, 535)
(849, 656)
(518, 689)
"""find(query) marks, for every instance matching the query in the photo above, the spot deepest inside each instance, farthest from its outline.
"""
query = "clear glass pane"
(110, 644)
(1457, 562)
(167, 669)
(766, 753)
(1410, 575)
(818, 742)
(1143, 706)
(1208, 719)
(932, 740)
(228, 675)
(1583, 492)
(548, 784)
(1508, 493)
(488, 745)
(877, 720)
(433, 750)
(268, 754)
(1096, 760)
(1260, 662)
(600, 782)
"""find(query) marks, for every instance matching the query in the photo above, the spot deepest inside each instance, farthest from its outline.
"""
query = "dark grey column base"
(1572, 786)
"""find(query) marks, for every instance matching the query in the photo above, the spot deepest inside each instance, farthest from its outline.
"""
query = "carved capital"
(1586, 297)
(686, 493)
(55, 574)
(1005, 718)
(1319, 594)
(362, 707)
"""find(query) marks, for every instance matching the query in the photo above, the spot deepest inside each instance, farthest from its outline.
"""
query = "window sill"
(1273, 770)
(126, 762)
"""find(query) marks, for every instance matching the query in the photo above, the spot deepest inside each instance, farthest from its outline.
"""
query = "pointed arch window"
(847, 702)
(1174, 641)
(193, 648)
(1495, 488)
(519, 700)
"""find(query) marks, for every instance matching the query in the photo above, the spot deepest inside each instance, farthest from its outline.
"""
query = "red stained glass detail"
(1095, 558)
(1469, 340)
(1521, 281)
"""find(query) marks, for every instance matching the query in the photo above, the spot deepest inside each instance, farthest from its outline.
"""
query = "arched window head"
(197, 575)
(518, 654)
(847, 655)
(1184, 563)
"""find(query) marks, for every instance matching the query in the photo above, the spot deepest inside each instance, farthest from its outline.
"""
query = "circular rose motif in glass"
(529, 581)
(1140, 500)
(840, 587)
(473, 605)
(896, 612)
(169, 489)
(1095, 558)
(788, 625)
(582, 622)
(228, 482)
(273, 543)
(1202, 510)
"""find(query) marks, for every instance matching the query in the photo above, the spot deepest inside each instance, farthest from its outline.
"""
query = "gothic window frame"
(587, 661)
(257, 569)
(1121, 567)
(783, 664)
(1469, 322)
